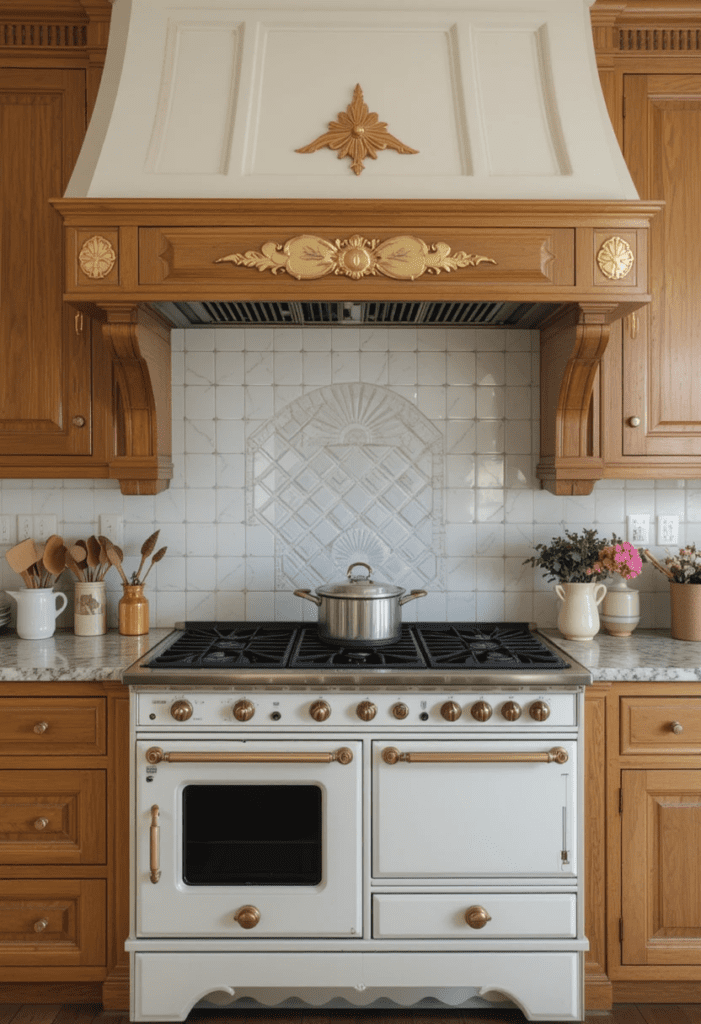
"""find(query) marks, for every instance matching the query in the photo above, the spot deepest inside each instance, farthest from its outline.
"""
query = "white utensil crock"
(37, 611)
(90, 609)
(579, 613)
(620, 612)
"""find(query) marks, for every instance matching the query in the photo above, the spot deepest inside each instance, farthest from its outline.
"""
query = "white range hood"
(495, 99)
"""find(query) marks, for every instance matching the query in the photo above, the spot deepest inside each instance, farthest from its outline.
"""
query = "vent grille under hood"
(353, 314)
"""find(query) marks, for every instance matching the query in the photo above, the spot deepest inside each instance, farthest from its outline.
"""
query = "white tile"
(489, 368)
(230, 470)
(199, 437)
(284, 394)
(374, 339)
(489, 506)
(547, 507)
(460, 573)
(609, 505)
(579, 508)
(518, 368)
(432, 402)
(259, 339)
(489, 607)
(231, 607)
(432, 339)
(402, 339)
(316, 339)
(170, 506)
(545, 610)
(317, 368)
(200, 470)
(518, 506)
(259, 541)
(402, 368)
(177, 368)
(199, 368)
(374, 368)
(490, 436)
(170, 574)
(431, 367)
(201, 339)
(346, 339)
(518, 437)
(230, 436)
(670, 503)
(460, 540)
(172, 608)
(288, 367)
(460, 402)
(489, 539)
(345, 367)
(258, 402)
(259, 368)
(287, 339)
(519, 472)
(200, 606)
(460, 367)
(489, 470)
(231, 539)
(287, 607)
(460, 505)
(461, 606)
(229, 368)
(490, 403)
(517, 576)
(201, 573)
(461, 436)
(518, 403)
(231, 505)
(230, 339)
(433, 607)
(260, 607)
(231, 573)
(200, 505)
(199, 401)
(518, 539)
(518, 607)
(173, 536)
(460, 471)
(177, 339)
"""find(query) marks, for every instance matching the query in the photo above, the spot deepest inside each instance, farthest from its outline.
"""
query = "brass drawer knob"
(477, 917)
(634, 421)
(78, 421)
(41, 823)
(41, 727)
(247, 917)
(41, 924)
(676, 728)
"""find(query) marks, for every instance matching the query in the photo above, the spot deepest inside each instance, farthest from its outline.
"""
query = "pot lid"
(360, 587)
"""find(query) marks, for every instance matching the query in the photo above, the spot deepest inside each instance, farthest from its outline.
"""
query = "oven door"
(453, 809)
(242, 839)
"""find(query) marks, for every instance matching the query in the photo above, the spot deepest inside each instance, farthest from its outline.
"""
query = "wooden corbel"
(139, 343)
(571, 348)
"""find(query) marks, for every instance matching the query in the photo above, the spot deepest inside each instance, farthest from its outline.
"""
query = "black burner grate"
(229, 645)
(311, 652)
(492, 645)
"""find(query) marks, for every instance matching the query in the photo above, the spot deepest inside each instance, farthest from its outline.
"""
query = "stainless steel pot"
(360, 613)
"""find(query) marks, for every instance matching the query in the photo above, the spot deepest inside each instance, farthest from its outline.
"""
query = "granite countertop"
(65, 657)
(649, 654)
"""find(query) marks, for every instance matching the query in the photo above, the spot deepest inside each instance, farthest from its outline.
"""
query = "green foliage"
(567, 559)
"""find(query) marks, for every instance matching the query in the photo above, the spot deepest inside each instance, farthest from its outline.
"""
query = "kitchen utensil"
(79, 554)
(114, 556)
(93, 545)
(74, 567)
(146, 548)
(156, 558)
(55, 555)
(21, 557)
(360, 613)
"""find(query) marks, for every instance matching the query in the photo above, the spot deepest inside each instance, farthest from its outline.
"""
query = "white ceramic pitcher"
(37, 611)
(579, 612)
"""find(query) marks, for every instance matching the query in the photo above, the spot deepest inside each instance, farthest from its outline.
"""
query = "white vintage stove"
(397, 824)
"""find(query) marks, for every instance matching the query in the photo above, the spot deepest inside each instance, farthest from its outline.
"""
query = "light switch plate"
(25, 527)
(668, 529)
(113, 528)
(8, 530)
(639, 528)
(44, 526)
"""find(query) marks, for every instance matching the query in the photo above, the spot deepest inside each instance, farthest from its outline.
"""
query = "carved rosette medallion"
(96, 257)
(308, 257)
(357, 134)
(615, 258)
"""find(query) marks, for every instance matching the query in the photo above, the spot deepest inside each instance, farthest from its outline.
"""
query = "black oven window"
(252, 835)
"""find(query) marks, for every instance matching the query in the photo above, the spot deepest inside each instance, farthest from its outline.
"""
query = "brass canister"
(133, 611)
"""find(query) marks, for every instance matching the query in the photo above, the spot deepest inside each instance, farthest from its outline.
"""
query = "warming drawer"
(474, 916)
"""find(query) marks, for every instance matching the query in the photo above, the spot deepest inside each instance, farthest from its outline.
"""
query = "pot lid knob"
(357, 578)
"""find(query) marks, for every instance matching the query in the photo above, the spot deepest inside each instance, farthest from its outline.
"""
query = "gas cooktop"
(229, 652)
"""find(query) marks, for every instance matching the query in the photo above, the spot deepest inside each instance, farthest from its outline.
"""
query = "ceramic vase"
(620, 610)
(37, 611)
(579, 612)
(89, 609)
(133, 611)
(685, 600)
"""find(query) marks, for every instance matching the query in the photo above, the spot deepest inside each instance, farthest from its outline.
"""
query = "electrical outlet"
(8, 530)
(639, 528)
(44, 526)
(112, 527)
(24, 527)
(668, 529)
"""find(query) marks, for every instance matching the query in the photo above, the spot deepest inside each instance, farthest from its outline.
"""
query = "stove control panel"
(272, 710)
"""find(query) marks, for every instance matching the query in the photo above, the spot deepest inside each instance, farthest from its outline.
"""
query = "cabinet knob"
(78, 421)
(41, 924)
(41, 823)
(247, 917)
(41, 727)
(634, 421)
(477, 917)
(676, 728)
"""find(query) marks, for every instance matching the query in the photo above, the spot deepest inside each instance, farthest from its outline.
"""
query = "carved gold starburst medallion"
(357, 134)
(96, 257)
(308, 257)
(615, 258)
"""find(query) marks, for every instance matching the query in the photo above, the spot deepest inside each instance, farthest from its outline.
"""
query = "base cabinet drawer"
(52, 725)
(52, 922)
(492, 916)
(52, 817)
(660, 725)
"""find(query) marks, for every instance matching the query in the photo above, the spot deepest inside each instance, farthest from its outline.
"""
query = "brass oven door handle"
(155, 845)
(154, 755)
(391, 755)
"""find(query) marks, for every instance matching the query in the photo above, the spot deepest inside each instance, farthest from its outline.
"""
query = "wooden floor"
(85, 1013)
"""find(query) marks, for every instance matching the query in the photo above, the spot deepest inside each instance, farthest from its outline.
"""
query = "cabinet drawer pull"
(41, 924)
(477, 917)
(634, 421)
(391, 756)
(676, 728)
(41, 727)
(344, 755)
(155, 845)
(41, 823)
(78, 421)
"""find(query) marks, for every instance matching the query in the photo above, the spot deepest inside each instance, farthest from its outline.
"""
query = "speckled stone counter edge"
(648, 655)
(65, 657)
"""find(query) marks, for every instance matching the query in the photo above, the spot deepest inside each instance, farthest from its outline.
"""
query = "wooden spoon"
(93, 554)
(55, 555)
(74, 567)
(79, 554)
(21, 557)
(116, 561)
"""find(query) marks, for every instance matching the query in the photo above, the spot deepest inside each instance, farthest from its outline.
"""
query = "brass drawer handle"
(477, 917)
(41, 727)
(676, 728)
(41, 823)
(155, 845)
(247, 917)
(154, 755)
(78, 421)
(391, 755)
(41, 924)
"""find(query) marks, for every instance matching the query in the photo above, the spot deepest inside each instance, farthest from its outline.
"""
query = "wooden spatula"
(21, 557)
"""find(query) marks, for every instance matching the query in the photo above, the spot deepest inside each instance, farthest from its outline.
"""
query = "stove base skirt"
(544, 986)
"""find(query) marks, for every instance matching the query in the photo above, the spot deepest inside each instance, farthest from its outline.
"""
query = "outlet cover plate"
(112, 527)
(8, 530)
(44, 527)
(25, 527)
(639, 528)
(668, 529)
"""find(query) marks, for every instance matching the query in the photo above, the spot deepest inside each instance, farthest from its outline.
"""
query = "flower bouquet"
(683, 571)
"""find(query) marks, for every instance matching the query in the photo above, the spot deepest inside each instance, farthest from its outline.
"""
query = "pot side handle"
(412, 596)
(308, 596)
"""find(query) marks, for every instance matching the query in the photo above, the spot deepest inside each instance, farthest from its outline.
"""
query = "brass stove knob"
(366, 710)
(539, 710)
(243, 710)
(181, 710)
(320, 711)
(481, 711)
(477, 917)
(511, 711)
(247, 917)
(400, 710)
(451, 711)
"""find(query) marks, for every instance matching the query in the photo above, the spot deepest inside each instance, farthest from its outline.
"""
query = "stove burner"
(312, 652)
(228, 645)
(490, 644)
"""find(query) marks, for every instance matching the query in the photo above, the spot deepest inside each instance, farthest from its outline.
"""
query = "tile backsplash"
(298, 451)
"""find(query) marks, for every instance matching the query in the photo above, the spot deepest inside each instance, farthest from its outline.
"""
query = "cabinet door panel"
(45, 387)
(662, 351)
(661, 872)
